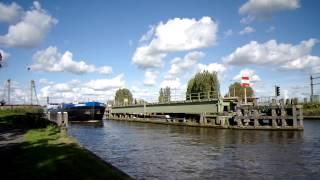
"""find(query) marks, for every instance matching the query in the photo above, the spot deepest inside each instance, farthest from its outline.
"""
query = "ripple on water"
(154, 151)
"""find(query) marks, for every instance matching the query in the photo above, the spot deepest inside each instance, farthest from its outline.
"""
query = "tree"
(123, 97)
(164, 95)
(236, 90)
(203, 85)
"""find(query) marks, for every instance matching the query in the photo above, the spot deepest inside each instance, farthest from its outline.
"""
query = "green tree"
(203, 84)
(164, 95)
(123, 97)
(236, 90)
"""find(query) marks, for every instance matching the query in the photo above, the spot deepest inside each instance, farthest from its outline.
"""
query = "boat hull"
(82, 112)
(85, 113)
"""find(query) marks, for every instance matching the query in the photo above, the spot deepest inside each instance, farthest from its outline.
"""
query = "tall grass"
(311, 109)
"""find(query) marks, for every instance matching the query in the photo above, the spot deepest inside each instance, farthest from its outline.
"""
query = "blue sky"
(87, 50)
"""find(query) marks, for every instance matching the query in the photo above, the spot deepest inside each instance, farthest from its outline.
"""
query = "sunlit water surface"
(153, 151)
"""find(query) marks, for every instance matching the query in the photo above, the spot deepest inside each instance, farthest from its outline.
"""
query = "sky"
(86, 50)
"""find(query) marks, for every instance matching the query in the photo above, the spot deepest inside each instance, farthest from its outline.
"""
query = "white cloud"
(61, 87)
(104, 70)
(175, 35)
(75, 90)
(53, 61)
(213, 67)
(142, 93)
(172, 83)
(182, 65)
(228, 33)
(285, 56)
(45, 81)
(265, 8)
(106, 84)
(146, 37)
(144, 58)
(9, 12)
(253, 77)
(150, 78)
(270, 29)
(247, 30)
(31, 30)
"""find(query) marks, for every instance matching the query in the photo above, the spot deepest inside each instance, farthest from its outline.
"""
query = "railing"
(175, 98)
(202, 96)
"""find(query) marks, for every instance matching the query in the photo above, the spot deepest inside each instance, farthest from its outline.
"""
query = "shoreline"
(39, 151)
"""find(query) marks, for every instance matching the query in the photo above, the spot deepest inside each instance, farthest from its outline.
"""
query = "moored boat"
(84, 111)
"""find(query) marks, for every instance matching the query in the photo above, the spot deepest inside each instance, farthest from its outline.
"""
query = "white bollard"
(59, 118)
(65, 119)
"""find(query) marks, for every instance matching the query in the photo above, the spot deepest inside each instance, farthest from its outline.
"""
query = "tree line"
(203, 85)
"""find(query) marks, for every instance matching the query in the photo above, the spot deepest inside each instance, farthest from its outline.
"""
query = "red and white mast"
(245, 82)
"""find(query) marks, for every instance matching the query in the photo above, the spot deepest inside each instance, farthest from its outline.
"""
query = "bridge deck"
(192, 107)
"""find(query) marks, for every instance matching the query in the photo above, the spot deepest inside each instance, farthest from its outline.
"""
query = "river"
(155, 151)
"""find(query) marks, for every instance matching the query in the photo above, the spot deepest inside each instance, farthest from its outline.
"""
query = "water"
(153, 151)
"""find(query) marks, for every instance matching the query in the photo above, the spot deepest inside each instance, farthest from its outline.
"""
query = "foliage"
(311, 109)
(236, 90)
(203, 83)
(123, 97)
(164, 95)
(23, 118)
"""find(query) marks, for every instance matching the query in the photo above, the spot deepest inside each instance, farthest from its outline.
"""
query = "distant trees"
(203, 85)
(123, 97)
(164, 95)
(236, 90)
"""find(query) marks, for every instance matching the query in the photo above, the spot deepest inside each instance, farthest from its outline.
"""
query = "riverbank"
(43, 151)
(311, 110)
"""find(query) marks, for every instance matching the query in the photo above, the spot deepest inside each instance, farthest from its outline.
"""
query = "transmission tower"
(33, 92)
(312, 83)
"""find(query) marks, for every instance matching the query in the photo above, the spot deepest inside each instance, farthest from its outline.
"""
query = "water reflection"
(177, 152)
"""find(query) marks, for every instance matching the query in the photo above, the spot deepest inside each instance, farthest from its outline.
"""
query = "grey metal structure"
(191, 107)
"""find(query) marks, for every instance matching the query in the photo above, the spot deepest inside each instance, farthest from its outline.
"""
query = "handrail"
(189, 97)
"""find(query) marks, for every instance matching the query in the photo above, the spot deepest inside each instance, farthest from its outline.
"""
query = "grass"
(48, 153)
(24, 118)
(311, 109)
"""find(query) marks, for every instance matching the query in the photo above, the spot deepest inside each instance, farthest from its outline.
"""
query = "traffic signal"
(277, 91)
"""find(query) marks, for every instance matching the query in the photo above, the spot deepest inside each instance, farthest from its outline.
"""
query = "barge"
(77, 112)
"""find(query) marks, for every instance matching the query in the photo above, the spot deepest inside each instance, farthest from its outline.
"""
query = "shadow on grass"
(41, 160)
(46, 153)
(25, 121)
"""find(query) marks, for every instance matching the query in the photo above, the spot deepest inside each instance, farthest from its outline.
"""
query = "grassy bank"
(24, 118)
(311, 109)
(48, 153)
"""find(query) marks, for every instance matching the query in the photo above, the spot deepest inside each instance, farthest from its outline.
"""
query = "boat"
(79, 112)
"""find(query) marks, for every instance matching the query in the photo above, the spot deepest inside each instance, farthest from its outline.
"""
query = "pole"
(245, 95)
(311, 80)
(9, 89)
(31, 93)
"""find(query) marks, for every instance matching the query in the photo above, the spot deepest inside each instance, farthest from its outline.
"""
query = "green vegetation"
(205, 83)
(123, 97)
(236, 90)
(311, 109)
(48, 153)
(164, 95)
(24, 118)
